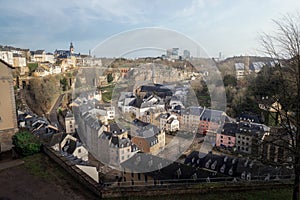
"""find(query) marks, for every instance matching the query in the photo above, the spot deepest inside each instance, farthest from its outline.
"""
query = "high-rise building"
(186, 54)
(173, 53)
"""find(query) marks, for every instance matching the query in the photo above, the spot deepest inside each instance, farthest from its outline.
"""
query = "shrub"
(25, 143)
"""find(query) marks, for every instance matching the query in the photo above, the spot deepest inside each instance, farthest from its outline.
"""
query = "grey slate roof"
(239, 66)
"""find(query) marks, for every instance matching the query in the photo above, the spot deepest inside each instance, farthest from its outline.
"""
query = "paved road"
(52, 116)
(21, 95)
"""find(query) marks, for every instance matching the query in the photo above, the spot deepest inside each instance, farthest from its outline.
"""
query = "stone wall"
(6, 139)
(78, 174)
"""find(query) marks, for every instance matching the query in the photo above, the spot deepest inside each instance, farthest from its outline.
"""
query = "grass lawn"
(45, 171)
(40, 165)
(107, 92)
(278, 194)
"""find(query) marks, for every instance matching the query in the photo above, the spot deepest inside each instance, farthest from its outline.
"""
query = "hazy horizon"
(231, 28)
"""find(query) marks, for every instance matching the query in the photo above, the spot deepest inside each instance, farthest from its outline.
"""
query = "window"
(221, 136)
(221, 141)
(229, 142)
(79, 150)
(229, 138)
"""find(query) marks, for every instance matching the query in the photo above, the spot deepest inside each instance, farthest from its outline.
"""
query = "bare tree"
(284, 47)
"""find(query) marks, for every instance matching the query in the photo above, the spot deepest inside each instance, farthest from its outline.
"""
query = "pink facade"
(207, 125)
(225, 140)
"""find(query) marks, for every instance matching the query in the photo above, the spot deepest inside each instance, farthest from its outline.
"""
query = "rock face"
(8, 117)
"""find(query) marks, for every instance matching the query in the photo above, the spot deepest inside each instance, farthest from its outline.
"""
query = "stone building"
(8, 116)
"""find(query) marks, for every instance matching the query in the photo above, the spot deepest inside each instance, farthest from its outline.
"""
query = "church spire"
(71, 48)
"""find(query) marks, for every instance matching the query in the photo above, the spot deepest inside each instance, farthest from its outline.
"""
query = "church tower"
(71, 48)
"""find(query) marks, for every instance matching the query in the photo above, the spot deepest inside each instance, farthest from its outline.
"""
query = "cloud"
(52, 24)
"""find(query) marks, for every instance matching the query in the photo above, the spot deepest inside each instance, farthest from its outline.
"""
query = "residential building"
(108, 143)
(149, 139)
(8, 115)
(276, 146)
(7, 56)
(242, 168)
(226, 137)
(73, 146)
(248, 117)
(256, 66)
(211, 120)
(49, 57)
(108, 109)
(41, 71)
(38, 56)
(248, 137)
(114, 146)
(20, 62)
(151, 116)
(176, 103)
(125, 101)
(190, 118)
(124, 71)
(70, 122)
(157, 89)
(140, 106)
(239, 70)
(55, 69)
(201, 119)
(168, 122)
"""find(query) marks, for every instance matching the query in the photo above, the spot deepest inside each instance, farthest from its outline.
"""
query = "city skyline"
(231, 28)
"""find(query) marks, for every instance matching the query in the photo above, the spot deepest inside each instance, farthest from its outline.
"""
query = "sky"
(231, 27)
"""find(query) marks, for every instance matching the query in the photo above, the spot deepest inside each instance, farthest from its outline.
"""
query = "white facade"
(20, 62)
(169, 122)
(70, 123)
(38, 56)
(79, 151)
(49, 58)
(7, 56)
(240, 70)
(56, 70)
